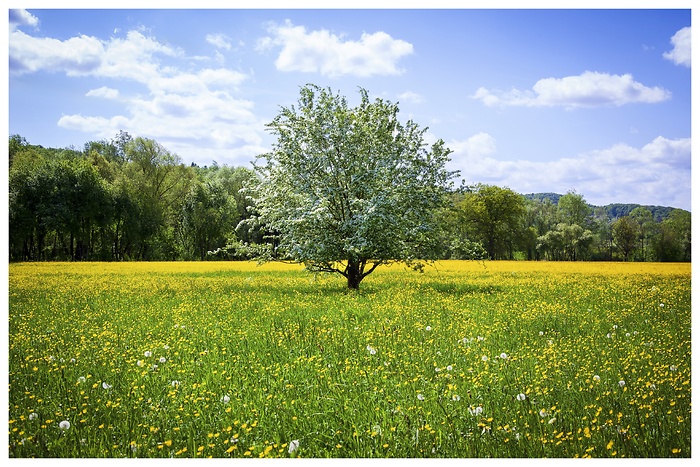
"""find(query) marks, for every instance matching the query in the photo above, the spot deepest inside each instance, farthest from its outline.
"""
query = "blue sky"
(596, 101)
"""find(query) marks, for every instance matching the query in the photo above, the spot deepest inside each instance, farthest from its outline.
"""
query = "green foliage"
(493, 216)
(132, 199)
(347, 189)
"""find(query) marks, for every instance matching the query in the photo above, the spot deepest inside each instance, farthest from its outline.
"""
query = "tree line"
(129, 198)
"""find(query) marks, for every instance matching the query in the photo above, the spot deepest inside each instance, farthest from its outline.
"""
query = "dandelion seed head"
(293, 446)
(147, 353)
(64, 425)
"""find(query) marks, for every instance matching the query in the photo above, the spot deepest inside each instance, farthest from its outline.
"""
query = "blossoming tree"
(347, 189)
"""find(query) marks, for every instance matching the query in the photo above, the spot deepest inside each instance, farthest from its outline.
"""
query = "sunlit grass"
(469, 359)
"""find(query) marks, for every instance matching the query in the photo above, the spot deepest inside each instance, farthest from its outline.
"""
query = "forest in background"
(129, 198)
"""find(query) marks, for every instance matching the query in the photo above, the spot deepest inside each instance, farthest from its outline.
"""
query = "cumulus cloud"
(220, 41)
(680, 54)
(22, 18)
(657, 173)
(332, 55)
(184, 110)
(590, 89)
(411, 97)
(103, 92)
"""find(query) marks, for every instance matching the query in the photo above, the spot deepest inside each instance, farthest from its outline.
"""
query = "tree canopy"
(346, 189)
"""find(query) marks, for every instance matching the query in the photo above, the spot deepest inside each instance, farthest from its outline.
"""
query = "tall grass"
(495, 359)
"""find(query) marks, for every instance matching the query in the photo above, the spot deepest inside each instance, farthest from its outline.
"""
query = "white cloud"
(220, 41)
(657, 173)
(411, 97)
(330, 55)
(590, 89)
(183, 110)
(680, 55)
(477, 146)
(104, 92)
(22, 18)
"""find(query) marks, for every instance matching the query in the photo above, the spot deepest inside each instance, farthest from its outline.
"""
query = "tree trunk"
(354, 275)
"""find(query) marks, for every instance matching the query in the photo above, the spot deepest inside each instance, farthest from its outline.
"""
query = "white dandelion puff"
(64, 425)
(293, 446)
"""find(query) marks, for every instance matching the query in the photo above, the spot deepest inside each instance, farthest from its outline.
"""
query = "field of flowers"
(469, 359)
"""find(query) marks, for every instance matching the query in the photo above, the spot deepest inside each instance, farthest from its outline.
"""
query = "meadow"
(468, 359)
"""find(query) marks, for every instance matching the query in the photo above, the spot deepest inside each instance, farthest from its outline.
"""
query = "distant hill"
(613, 211)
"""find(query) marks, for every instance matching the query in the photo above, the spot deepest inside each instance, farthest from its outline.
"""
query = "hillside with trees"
(129, 198)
